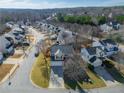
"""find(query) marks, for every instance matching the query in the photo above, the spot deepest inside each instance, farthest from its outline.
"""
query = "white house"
(108, 45)
(106, 28)
(112, 25)
(9, 24)
(93, 55)
(65, 37)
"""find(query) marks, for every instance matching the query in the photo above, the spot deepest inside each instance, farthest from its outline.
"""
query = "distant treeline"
(85, 19)
(120, 18)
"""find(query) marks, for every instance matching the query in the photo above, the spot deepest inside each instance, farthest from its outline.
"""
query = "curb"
(9, 74)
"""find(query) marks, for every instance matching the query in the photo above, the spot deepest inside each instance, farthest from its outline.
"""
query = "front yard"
(4, 70)
(97, 82)
(40, 74)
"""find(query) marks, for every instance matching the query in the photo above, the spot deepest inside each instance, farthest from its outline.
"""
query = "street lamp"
(9, 80)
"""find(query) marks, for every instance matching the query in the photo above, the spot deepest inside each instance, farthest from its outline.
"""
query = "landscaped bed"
(40, 74)
(4, 70)
(96, 82)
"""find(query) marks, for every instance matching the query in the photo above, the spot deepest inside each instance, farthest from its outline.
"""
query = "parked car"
(25, 43)
(1, 58)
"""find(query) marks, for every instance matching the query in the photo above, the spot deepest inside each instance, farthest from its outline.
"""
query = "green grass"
(40, 74)
(97, 82)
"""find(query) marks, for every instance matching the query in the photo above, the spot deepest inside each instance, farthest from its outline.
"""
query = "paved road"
(21, 82)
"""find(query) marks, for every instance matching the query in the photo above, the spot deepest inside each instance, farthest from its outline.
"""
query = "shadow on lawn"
(73, 84)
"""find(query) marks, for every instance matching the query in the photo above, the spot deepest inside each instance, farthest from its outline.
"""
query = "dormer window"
(59, 55)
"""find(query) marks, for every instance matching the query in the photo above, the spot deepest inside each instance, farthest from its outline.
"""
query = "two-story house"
(108, 45)
(6, 45)
(66, 37)
(59, 53)
(93, 55)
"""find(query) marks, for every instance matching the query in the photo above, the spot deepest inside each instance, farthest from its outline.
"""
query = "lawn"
(4, 70)
(40, 74)
(96, 82)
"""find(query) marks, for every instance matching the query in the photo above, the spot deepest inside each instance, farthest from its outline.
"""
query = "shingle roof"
(92, 50)
(109, 41)
(66, 49)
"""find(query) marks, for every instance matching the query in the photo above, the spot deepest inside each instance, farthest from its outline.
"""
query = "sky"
(45, 4)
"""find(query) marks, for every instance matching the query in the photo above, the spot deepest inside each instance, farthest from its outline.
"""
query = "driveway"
(21, 82)
(108, 79)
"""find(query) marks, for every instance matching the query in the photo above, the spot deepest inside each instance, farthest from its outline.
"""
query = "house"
(17, 34)
(65, 37)
(106, 28)
(58, 55)
(6, 46)
(115, 25)
(108, 45)
(93, 55)
(112, 25)
(9, 24)
(53, 37)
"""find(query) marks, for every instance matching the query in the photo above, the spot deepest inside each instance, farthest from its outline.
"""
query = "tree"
(60, 17)
(101, 19)
(120, 18)
(70, 19)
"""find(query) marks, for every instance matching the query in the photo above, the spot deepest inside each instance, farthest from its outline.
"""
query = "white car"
(1, 58)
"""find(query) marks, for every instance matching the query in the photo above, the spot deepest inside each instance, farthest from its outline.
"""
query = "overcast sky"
(43, 4)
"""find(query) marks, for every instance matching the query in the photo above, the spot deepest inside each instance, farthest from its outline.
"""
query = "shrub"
(91, 67)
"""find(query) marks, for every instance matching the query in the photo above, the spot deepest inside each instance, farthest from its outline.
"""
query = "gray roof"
(92, 50)
(66, 49)
(109, 41)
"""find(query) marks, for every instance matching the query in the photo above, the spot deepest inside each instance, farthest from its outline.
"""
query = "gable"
(65, 49)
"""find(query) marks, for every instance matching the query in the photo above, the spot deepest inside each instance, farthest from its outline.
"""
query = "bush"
(120, 18)
(108, 64)
(91, 67)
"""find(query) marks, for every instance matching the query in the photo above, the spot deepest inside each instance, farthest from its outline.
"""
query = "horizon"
(57, 4)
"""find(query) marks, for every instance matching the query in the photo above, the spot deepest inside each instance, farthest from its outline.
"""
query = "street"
(20, 81)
